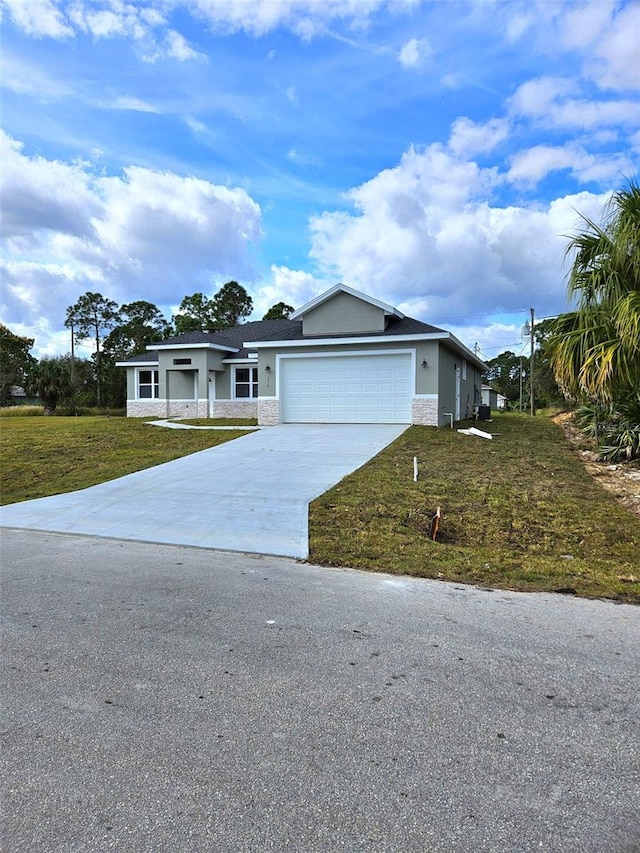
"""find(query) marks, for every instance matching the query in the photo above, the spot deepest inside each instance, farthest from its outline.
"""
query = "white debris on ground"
(478, 432)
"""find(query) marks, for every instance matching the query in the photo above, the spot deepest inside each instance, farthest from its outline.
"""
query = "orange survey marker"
(435, 525)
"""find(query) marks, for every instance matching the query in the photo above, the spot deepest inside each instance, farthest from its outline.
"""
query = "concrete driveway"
(251, 494)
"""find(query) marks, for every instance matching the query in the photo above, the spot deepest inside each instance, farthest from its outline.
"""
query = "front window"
(246, 382)
(148, 384)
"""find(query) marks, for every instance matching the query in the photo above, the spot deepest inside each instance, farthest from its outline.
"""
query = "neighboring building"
(19, 397)
(490, 397)
(345, 357)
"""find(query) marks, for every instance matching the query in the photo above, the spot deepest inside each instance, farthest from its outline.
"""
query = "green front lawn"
(518, 512)
(49, 456)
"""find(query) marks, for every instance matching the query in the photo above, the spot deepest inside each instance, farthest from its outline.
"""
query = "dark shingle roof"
(260, 330)
(235, 337)
(138, 359)
(395, 326)
(280, 330)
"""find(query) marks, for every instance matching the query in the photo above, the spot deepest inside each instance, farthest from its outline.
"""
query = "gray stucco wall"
(178, 385)
(448, 359)
(427, 377)
(181, 385)
(343, 314)
(223, 383)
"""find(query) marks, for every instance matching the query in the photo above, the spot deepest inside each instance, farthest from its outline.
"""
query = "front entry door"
(212, 392)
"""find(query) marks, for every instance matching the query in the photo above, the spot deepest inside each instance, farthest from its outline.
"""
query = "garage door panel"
(347, 389)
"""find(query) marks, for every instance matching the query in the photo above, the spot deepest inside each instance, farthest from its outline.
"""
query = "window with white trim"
(148, 385)
(245, 383)
(464, 368)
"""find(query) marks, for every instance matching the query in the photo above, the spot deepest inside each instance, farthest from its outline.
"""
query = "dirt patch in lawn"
(622, 480)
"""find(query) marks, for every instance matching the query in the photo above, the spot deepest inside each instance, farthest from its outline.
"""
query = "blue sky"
(431, 154)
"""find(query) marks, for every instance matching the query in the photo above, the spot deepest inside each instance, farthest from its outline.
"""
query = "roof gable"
(389, 310)
(345, 311)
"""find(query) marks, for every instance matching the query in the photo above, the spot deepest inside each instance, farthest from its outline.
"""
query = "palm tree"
(50, 379)
(596, 349)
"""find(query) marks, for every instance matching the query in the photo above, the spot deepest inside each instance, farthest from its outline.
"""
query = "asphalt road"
(162, 698)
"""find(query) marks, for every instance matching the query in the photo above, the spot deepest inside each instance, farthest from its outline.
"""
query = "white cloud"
(306, 18)
(294, 287)
(178, 48)
(451, 81)
(43, 195)
(468, 138)
(27, 79)
(124, 102)
(534, 164)
(142, 234)
(607, 33)
(116, 18)
(302, 159)
(492, 338)
(414, 52)
(603, 34)
(535, 97)
(39, 18)
(101, 19)
(423, 235)
(519, 24)
(583, 22)
(547, 100)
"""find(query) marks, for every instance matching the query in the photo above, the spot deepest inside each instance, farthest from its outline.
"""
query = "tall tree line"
(116, 333)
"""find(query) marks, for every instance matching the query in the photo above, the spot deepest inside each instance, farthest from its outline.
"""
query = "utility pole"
(533, 408)
(520, 384)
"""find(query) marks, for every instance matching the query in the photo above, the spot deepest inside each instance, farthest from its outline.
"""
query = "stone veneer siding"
(191, 409)
(187, 408)
(424, 411)
(146, 408)
(234, 409)
(268, 412)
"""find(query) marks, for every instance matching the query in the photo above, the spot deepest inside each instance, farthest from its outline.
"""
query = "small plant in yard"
(613, 427)
(518, 512)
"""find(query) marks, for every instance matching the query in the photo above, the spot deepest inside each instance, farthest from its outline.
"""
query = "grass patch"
(50, 456)
(519, 512)
(22, 412)
(228, 422)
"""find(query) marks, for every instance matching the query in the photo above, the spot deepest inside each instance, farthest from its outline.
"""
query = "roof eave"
(355, 339)
(195, 345)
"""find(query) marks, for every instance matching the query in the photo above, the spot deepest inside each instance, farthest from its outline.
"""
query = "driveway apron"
(251, 494)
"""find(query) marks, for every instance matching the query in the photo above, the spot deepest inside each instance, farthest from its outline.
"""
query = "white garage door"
(346, 389)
